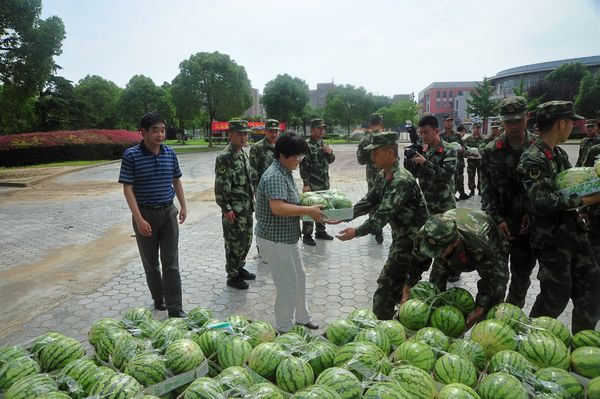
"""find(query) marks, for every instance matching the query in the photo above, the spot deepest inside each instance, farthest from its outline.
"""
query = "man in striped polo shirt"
(150, 176)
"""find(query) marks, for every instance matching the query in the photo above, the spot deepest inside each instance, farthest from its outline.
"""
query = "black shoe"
(159, 304)
(457, 199)
(454, 277)
(472, 193)
(238, 282)
(310, 325)
(246, 275)
(180, 314)
(322, 235)
(308, 240)
(464, 196)
(379, 237)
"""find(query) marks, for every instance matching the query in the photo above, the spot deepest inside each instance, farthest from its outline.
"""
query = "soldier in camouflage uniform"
(262, 152)
(314, 171)
(363, 156)
(495, 126)
(451, 136)
(464, 240)
(593, 212)
(568, 268)
(475, 140)
(504, 199)
(235, 195)
(394, 198)
(592, 130)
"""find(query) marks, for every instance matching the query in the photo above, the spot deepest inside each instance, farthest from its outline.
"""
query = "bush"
(84, 145)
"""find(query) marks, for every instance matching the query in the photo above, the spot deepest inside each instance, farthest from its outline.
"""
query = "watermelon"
(294, 374)
(386, 390)
(593, 389)
(61, 352)
(432, 337)
(460, 298)
(100, 327)
(70, 376)
(145, 328)
(30, 387)
(586, 338)
(239, 323)
(258, 332)
(365, 359)
(177, 322)
(41, 341)
(414, 380)
(424, 291)
(394, 331)
(501, 386)
(54, 395)
(543, 349)
(574, 176)
(415, 353)
(199, 316)
(183, 355)
(363, 318)
(340, 332)
(209, 341)
(9, 353)
(457, 391)
(558, 382)
(376, 336)
(17, 369)
(340, 202)
(470, 350)
(234, 377)
(147, 368)
(320, 355)
(265, 358)
(105, 345)
(136, 315)
(264, 390)
(451, 368)
(342, 381)
(448, 320)
(510, 362)
(494, 336)
(316, 392)
(290, 341)
(510, 314)
(552, 326)
(89, 378)
(117, 386)
(127, 348)
(586, 361)
(233, 350)
(414, 314)
(302, 331)
(165, 335)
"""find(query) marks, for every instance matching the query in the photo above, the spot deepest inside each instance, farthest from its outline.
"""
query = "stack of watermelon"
(330, 199)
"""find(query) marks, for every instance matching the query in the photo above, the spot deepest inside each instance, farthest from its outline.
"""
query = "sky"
(388, 47)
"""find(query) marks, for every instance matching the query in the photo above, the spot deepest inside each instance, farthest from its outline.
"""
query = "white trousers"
(287, 270)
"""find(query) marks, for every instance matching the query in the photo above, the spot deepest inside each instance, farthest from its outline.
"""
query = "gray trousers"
(164, 239)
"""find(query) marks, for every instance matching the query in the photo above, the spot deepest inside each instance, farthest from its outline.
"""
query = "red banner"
(220, 126)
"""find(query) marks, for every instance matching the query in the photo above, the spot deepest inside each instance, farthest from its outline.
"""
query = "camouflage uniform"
(262, 154)
(568, 268)
(459, 175)
(586, 144)
(234, 192)
(593, 211)
(395, 199)
(474, 164)
(478, 250)
(314, 171)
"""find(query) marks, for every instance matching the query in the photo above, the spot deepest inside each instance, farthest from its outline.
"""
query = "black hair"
(290, 144)
(545, 125)
(151, 119)
(461, 128)
(428, 120)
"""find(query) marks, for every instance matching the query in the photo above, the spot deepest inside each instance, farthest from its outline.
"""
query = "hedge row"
(36, 148)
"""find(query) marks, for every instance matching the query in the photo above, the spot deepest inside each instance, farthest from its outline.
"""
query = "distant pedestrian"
(262, 152)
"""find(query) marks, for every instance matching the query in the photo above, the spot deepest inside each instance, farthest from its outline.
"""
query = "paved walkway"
(68, 257)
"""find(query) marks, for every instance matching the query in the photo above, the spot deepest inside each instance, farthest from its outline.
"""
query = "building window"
(460, 92)
(451, 94)
(438, 95)
(444, 94)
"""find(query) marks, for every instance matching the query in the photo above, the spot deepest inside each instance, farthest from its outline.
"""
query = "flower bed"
(43, 147)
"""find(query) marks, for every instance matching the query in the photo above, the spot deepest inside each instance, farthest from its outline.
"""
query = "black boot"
(379, 237)
(308, 240)
(322, 235)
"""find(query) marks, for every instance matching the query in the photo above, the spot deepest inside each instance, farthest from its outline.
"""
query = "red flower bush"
(50, 139)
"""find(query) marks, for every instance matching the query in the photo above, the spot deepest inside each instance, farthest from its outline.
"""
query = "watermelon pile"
(330, 199)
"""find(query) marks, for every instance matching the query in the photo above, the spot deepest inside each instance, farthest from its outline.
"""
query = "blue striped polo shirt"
(151, 175)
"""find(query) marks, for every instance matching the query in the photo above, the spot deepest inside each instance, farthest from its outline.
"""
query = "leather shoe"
(180, 314)
(246, 275)
(238, 283)
(454, 277)
(159, 304)
(322, 235)
(308, 240)
(310, 325)
(379, 237)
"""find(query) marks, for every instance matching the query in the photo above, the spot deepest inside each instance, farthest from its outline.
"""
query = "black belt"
(161, 206)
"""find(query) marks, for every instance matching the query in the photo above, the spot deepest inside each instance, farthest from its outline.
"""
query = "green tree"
(349, 105)
(587, 102)
(99, 98)
(141, 96)
(57, 106)
(395, 115)
(521, 90)
(285, 97)
(561, 84)
(481, 103)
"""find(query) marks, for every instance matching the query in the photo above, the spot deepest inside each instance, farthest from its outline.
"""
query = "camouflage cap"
(437, 234)
(375, 118)
(383, 138)
(592, 122)
(448, 118)
(317, 122)
(496, 124)
(477, 124)
(513, 108)
(555, 109)
(272, 124)
(239, 125)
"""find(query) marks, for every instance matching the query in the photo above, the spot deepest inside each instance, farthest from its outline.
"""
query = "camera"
(412, 150)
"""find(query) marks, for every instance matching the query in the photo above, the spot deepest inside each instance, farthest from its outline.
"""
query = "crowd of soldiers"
(522, 220)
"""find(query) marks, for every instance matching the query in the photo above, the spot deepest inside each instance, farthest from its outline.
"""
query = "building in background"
(319, 96)
(441, 98)
(256, 108)
(400, 97)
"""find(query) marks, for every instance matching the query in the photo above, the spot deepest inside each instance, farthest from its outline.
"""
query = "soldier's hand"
(230, 216)
(524, 225)
(591, 199)
(346, 234)
(405, 294)
(305, 188)
(503, 227)
(474, 316)
(327, 150)
(418, 159)
(316, 213)
(144, 228)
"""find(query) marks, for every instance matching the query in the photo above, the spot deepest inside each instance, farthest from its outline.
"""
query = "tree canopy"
(142, 95)
(481, 103)
(285, 97)
(349, 105)
(587, 102)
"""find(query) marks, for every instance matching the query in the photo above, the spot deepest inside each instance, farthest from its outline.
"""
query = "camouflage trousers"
(569, 270)
(459, 179)
(238, 239)
(393, 277)
(309, 227)
(594, 232)
(522, 263)
(370, 181)
(474, 167)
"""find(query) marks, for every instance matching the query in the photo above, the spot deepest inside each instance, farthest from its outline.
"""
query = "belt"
(160, 206)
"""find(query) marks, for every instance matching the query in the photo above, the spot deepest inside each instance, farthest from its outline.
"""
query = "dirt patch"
(202, 196)
(47, 191)
(33, 173)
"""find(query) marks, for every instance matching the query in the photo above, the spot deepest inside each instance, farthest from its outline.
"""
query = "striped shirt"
(151, 175)
(277, 183)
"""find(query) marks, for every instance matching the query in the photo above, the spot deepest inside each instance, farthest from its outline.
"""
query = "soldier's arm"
(393, 200)
(366, 203)
(581, 156)
(419, 264)
(492, 280)
(443, 170)
(255, 163)
(489, 194)
(362, 154)
(223, 184)
(330, 157)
